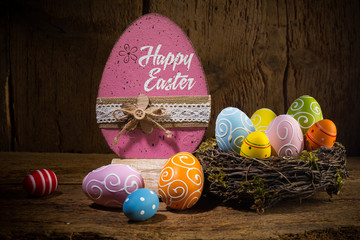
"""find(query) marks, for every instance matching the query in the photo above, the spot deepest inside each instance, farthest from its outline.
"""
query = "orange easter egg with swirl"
(181, 181)
(322, 133)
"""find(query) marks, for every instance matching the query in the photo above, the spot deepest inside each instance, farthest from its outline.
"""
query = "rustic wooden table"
(68, 214)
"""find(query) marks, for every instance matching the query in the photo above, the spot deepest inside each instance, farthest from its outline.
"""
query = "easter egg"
(111, 184)
(231, 128)
(40, 182)
(153, 56)
(322, 133)
(141, 204)
(285, 136)
(256, 145)
(306, 110)
(262, 118)
(181, 181)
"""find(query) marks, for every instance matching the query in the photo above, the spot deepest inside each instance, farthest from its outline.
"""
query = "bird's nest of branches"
(261, 183)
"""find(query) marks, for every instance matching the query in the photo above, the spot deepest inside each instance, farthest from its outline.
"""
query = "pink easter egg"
(111, 184)
(41, 182)
(153, 56)
(285, 136)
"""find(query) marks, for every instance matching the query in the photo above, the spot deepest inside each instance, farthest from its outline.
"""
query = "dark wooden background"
(255, 54)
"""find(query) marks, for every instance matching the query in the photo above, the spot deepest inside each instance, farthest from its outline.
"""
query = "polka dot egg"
(141, 204)
(322, 133)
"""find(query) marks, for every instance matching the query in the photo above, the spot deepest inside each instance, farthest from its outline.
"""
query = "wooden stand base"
(149, 169)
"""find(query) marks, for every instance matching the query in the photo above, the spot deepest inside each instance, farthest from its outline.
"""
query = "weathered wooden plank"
(323, 62)
(149, 169)
(255, 54)
(58, 52)
(242, 47)
(5, 79)
(63, 216)
(68, 214)
(73, 167)
(267, 53)
(70, 168)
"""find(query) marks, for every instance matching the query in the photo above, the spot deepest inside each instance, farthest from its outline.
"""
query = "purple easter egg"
(111, 184)
(285, 136)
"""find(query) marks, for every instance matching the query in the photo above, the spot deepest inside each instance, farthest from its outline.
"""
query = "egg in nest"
(232, 127)
(322, 133)
(256, 145)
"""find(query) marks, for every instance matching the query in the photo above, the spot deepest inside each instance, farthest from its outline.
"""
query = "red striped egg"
(41, 182)
(322, 133)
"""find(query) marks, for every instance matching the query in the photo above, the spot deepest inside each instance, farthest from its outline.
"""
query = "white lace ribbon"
(178, 111)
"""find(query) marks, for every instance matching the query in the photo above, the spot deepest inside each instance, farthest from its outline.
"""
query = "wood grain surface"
(68, 214)
(255, 54)
(149, 169)
(5, 103)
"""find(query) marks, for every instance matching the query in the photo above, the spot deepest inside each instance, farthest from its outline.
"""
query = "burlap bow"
(142, 114)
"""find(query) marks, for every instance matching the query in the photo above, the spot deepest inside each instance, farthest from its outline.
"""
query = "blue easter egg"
(141, 204)
(232, 127)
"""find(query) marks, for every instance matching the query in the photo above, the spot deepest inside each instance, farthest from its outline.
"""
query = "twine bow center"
(140, 114)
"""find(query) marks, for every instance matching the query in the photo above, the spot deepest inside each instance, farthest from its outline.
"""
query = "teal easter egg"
(232, 127)
(141, 204)
(306, 110)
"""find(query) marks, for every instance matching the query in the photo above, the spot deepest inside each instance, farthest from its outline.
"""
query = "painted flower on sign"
(128, 53)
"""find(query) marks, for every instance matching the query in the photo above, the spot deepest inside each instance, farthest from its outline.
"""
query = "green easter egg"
(306, 110)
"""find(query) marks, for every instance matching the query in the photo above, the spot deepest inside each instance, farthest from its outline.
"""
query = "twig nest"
(261, 183)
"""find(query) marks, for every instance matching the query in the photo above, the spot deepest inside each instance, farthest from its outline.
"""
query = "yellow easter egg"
(256, 145)
(262, 118)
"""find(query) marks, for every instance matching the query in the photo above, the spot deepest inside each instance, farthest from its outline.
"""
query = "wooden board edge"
(149, 169)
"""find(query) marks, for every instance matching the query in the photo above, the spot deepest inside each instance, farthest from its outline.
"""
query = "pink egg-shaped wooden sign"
(41, 182)
(153, 59)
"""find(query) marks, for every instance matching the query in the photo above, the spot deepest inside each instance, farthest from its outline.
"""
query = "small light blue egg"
(231, 128)
(141, 204)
